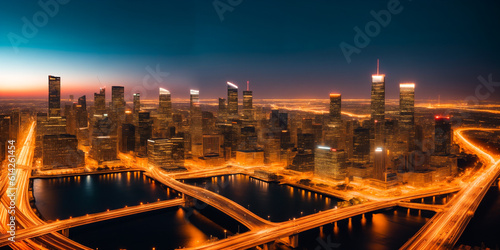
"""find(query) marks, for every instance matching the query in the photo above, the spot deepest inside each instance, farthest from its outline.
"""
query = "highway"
(25, 217)
(55, 226)
(445, 228)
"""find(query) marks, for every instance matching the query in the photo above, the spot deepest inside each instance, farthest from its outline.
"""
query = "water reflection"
(279, 202)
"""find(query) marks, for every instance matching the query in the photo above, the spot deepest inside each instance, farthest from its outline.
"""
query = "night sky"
(285, 48)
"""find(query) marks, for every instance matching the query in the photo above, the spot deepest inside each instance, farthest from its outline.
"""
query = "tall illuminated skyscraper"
(118, 100)
(196, 125)
(165, 103)
(379, 165)
(194, 99)
(81, 112)
(407, 113)
(137, 103)
(54, 96)
(378, 98)
(443, 135)
(100, 101)
(222, 108)
(248, 103)
(335, 108)
(332, 135)
(144, 132)
(232, 99)
(377, 112)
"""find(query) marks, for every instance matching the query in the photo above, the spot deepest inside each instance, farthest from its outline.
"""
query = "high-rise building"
(4, 135)
(378, 98)
(61, 151)
(15, 124)
(194, 99)
(54, 96)
(335, 109)
(361, 145)
(232, 99)
(81, 112)
(100, 101)
(196, 124)
(443, 135)
(407, 114)
(222, 113)
(379, 164)
(118, 101)
(137, 105)
(165, 104)
(333, 128)
(160, 153)
(144, 132)
(248, 104)
(127, 140)
(330, 163)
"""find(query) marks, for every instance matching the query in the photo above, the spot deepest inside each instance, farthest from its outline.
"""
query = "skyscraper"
(330, 163)
(361, 145)
(196, 125)
(232, 99)
(4, 135)
(81, 112)
(165, 104)
(378, 98)
(137, 103)
(118, 100)
(379, 164)
(248, 103)
(100, 101)
(127, 139)
(335, 108)
(442, 135)
(222, 108)
(145, 132)
(54, 96)
(407, 114)
(194, 99)
(333, 129)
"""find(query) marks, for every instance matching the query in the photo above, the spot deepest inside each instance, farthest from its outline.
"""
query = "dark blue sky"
(286, 48)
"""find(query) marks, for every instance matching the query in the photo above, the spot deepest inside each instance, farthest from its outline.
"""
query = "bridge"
(421, 206)
(227, 206)
(43, 229)
(445, 228)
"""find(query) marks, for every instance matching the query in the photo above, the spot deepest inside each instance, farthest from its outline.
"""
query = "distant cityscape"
(372, 148)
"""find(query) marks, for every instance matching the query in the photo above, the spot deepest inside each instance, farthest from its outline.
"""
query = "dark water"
(382, 230)
(179, 227)
(484, 227)
(60, 198)
(164, 229)
(268, 200)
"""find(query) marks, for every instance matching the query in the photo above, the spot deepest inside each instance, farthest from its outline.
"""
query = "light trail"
(445, 228)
